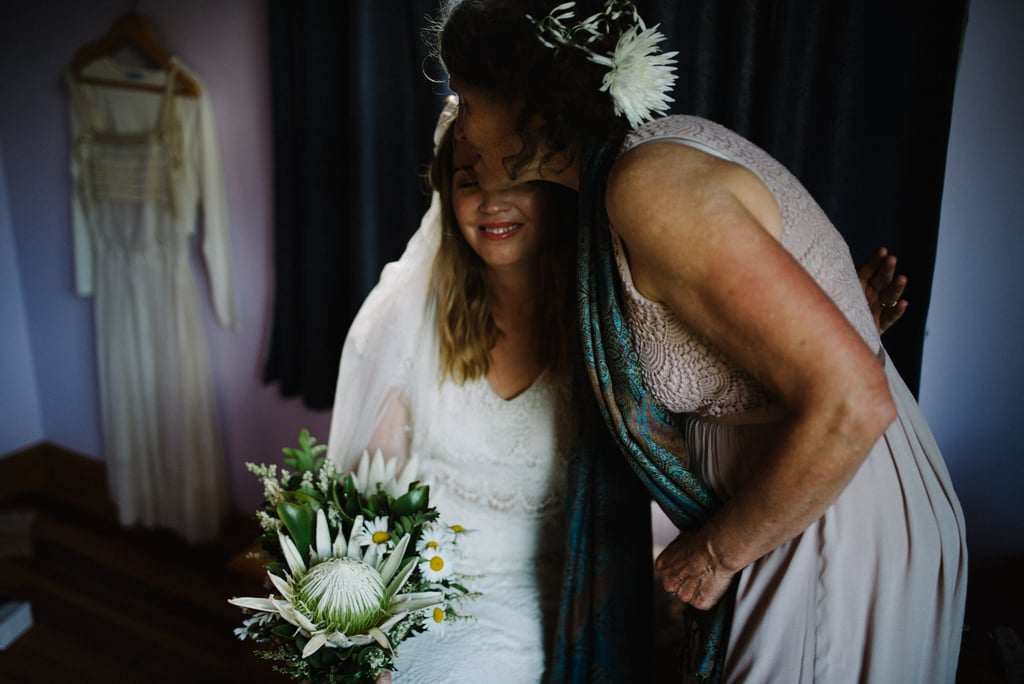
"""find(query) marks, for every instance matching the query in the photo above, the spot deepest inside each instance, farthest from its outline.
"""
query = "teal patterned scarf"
(650, 436)
(606, 623)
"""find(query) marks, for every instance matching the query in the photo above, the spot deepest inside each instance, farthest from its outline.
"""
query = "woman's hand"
(384, 677)
(882, 289)
(689, 570)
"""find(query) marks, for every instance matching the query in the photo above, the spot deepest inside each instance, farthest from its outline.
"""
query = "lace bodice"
(497, 464)
(497, 468)
(683, 369)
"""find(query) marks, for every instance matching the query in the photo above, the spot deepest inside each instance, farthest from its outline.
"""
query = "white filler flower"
(345, 597)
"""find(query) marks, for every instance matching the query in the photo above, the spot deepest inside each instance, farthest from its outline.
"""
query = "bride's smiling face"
(505, 227)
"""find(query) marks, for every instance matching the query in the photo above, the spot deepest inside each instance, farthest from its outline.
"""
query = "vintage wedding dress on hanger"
(494, 466)
(142, 163)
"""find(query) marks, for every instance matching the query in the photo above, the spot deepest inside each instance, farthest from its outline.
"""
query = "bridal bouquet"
(359, 563)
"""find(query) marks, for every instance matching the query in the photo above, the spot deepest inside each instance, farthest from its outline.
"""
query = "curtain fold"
(352, 119)
(854, 97)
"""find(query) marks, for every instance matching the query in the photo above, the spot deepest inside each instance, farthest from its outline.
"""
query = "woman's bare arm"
(700, 240)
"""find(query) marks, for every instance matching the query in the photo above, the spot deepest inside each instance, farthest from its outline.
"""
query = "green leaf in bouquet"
(352, 508)
(299, 521)
(315, 660)
(275, 565)
(307, 497)
(398, 527)
(413, 501)
(309, 455)
(379, 503)
(350, 503)
(284, 629)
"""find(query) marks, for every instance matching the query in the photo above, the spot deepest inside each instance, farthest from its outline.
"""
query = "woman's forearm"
(800, 478)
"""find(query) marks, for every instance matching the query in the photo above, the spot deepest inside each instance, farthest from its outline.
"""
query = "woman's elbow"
(872, 408)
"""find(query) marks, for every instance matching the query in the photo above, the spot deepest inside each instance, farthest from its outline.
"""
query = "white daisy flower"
(434, 537)
(437, 618)
(435, 565)
(376, 534)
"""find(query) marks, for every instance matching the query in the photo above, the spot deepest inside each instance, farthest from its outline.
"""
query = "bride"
(460, 356)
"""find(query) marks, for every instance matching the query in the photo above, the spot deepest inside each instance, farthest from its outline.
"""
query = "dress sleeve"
(81, 236)
(360, 427)
(393, 435)
(216, 240)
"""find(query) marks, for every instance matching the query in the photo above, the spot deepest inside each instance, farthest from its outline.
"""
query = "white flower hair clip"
(639, 78)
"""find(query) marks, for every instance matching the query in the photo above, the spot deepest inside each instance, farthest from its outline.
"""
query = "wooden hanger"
(130, 30)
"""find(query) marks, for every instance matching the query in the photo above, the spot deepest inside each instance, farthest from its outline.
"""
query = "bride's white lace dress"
(496, 467)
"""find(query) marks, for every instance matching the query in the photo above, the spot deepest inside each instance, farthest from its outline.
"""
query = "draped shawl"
(650, 437)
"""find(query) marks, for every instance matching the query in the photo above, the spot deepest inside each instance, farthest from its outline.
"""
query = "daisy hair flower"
(639, 77)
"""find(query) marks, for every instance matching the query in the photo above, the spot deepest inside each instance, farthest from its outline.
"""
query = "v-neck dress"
(874, 590)
(143, 164)
(496, 467)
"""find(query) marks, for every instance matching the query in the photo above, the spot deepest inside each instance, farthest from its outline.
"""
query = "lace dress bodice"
(496, 467)
(680, 367)
(497, 461)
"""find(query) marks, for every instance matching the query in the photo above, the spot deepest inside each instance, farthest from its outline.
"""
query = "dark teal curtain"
(353, 116)
(854, 96)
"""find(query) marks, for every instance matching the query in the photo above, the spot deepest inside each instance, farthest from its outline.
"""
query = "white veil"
(391, 345)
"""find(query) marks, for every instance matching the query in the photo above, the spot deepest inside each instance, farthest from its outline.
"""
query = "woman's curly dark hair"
(493, 45)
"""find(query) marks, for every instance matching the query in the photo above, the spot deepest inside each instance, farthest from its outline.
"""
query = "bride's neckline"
(534, 383)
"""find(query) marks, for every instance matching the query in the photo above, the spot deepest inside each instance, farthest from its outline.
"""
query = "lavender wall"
(972, 375)
(225, 42)
(22, 421)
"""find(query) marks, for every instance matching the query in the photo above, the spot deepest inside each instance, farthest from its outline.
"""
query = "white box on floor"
(15, 619)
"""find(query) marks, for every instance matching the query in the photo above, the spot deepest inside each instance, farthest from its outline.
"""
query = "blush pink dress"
(874, 590)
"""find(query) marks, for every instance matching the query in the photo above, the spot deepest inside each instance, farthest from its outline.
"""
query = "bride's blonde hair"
(465, 327)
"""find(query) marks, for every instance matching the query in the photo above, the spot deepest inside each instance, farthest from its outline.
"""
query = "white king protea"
(345, 597)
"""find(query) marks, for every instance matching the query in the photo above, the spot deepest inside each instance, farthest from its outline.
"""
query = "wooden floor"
(115, 605)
